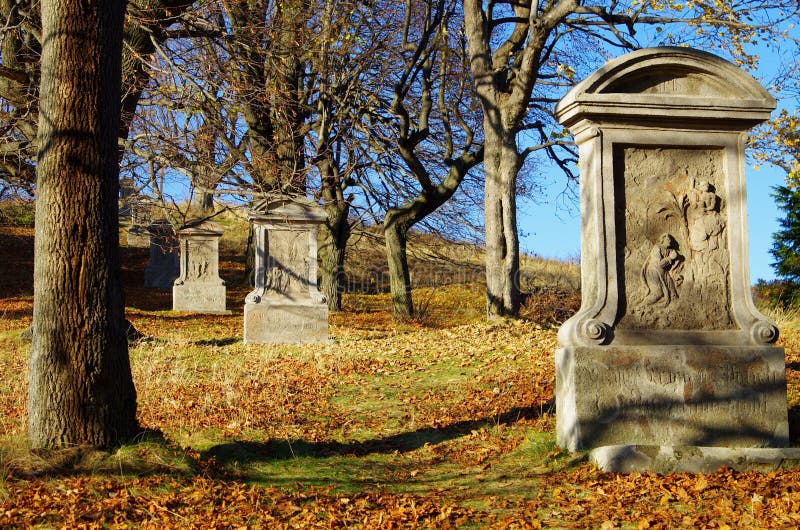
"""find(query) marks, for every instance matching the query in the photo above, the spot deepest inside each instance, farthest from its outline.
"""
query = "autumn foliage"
(446, 421)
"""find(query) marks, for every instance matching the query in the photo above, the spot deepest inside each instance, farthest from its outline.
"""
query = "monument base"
(138, 237)
(285, 322)
(666, 459)
(724, 396)
(199, 298)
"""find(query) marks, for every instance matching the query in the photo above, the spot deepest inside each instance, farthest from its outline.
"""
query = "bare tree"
(432, 130)
(20, 50)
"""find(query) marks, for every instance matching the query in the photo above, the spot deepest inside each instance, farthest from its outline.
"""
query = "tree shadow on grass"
(218, 342)
(242, 452)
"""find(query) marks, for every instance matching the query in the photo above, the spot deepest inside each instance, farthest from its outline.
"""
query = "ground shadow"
(250, 451)
(218, 342)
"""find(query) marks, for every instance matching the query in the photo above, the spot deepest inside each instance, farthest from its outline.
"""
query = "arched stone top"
(287, 208)
(668, 82)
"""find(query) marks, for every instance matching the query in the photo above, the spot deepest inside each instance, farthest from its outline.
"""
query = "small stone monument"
(127, 189)
(141, 215)
(285, 306)
(667, 348)
(162, 268)
(199, 287)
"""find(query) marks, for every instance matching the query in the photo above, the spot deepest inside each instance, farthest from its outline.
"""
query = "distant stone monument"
(127, 189)
(199, 287)
(141, 215)
(667, 348)
(285, 306)
(162, 268)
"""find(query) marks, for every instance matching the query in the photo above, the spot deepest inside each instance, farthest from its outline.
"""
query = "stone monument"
(127, 189)
(285, 305)
(162, 267)
(141, 215)
(667, 348)
(199, 287)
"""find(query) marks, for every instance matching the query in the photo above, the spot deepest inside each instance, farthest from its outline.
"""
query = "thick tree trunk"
(501, 164)
(204, 202)
(335, 234)
(80, 385)
(395, 230)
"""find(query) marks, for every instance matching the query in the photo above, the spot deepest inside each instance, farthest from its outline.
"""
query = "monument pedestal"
(162, 267)
(199, 288)
(276, 321)
(732, 396)
(200, 297)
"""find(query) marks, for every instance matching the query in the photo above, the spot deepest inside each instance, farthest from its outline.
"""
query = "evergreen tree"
(786, 242)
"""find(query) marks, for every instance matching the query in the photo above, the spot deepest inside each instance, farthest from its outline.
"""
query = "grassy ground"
(443, 422)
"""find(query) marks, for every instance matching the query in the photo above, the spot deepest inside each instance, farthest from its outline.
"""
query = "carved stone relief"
(201, 255)
(287, 267)
(675, 250)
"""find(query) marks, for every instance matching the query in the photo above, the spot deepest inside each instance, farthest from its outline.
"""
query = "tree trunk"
(395, 230)
(501, 164)
(80, 385)
(204, 202)
(335, 234)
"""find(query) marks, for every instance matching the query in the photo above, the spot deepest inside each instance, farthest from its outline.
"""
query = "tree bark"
(335, 234)
(504, 80)
(80, 385)
(395, 230)
(501, 165)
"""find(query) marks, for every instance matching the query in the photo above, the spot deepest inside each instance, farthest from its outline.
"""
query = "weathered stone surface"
(162, 267)
(140, 210)
(692, 459)
(199, 287)
(671, 395)
(285, 322)
(285, 305)
(667, 347)
(138, 237)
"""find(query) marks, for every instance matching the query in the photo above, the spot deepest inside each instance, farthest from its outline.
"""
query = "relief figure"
(706, 226)
(277, 280)
(661, 272)
(199, 269)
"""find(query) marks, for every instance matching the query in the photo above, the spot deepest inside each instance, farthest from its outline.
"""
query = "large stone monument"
(667, 348)
(199, 287)
(285, 306)
(162, 267)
